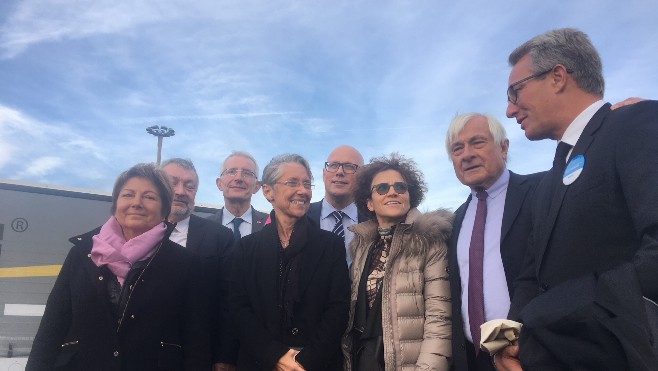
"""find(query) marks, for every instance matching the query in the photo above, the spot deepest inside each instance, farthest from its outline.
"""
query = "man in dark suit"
(337, 211)
(213, 243)
(477, 145)
(594, 215)
(238, 181)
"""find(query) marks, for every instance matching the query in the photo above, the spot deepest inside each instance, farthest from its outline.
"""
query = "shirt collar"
(350, 210)
(575, 129)
(227, 217)
(183, 226)
(498, 187)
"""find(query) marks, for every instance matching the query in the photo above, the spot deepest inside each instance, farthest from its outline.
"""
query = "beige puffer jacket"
(416, 291)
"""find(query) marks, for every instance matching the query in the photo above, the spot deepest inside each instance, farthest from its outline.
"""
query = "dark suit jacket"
(608, 216)
(315, 211)
(212, 241)
(258, 219)
(164, 325)
(514, 235)
(320, 315)
(570, 327)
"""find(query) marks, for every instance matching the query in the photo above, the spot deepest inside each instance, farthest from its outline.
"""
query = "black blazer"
(596, 322)
(315, 211)
(608, 216)
(258, 219)
(320, 316)
(514, 235)
(212, 242)
(164, 325)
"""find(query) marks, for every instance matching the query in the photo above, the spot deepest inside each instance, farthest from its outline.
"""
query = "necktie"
(561, 153)
(338, 227)
(559, 164)
(475, 271)
(236, 228)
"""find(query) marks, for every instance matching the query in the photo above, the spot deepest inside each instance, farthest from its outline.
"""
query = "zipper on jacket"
(139, 278)
(69, 343)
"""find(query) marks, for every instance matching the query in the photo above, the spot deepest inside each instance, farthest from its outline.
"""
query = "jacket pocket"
(170, 356)
(586, 185)
(67, 355)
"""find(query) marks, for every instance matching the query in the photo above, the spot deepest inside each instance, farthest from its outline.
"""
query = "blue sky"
(82, 79)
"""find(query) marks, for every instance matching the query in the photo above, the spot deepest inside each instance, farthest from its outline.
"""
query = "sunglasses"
(383, 188)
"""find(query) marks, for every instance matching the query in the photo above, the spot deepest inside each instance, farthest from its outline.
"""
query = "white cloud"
(34, 22)
(216, 116)
(11, 123)
(6, 149)
(41, 167)
(32, 149)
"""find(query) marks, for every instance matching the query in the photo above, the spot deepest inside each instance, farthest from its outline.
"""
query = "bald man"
(337, 211)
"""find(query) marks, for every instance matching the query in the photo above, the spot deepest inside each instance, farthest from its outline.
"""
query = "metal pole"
(159, 150)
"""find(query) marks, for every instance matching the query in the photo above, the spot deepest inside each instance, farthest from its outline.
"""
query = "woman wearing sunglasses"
(400, 305)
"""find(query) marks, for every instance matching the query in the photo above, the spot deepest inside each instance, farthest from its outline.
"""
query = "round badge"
(573, 170)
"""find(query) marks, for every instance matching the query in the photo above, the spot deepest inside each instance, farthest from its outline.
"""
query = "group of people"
(362, 280)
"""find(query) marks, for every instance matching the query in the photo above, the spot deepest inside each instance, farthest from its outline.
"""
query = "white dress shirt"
(245, 227)
(179, 234)
(575, 129)
(327, 222)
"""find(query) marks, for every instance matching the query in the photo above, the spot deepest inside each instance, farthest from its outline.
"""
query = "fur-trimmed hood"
(430, 228)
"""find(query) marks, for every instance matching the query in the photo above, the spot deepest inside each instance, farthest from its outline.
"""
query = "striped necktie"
(338, 227)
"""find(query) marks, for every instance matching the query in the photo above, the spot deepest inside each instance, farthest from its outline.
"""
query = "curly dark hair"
(406, 167)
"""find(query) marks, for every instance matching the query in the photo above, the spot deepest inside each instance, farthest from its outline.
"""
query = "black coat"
(164, 326)
(320, 315)
(213, 243)
(607, 217)
(515, 231)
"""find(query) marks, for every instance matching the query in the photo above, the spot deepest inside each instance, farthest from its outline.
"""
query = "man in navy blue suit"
(588, 285)
(339, 176)
(238, 181)
(477, 145)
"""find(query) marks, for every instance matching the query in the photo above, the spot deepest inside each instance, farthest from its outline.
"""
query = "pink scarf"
(111, 248)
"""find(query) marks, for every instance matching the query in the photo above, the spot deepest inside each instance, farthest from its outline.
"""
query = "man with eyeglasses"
(337, 211)
(587, 291)
(482, 274)
(212, 242)
(238, 181)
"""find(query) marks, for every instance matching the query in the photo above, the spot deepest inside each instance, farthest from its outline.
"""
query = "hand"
(627, 102)
(288, 363)
(223, 367)
(508, 359)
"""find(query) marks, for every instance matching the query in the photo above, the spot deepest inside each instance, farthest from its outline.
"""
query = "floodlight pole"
(160, 132)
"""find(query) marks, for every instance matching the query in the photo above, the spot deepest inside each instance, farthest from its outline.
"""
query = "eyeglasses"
(513, 94)
(383, 188)
(294, 183)
(234, 172)
(348, 168)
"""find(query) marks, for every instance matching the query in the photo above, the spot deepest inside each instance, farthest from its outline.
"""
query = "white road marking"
(25, 310)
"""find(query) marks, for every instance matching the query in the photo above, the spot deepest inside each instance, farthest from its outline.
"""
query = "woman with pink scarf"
(127, 298)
